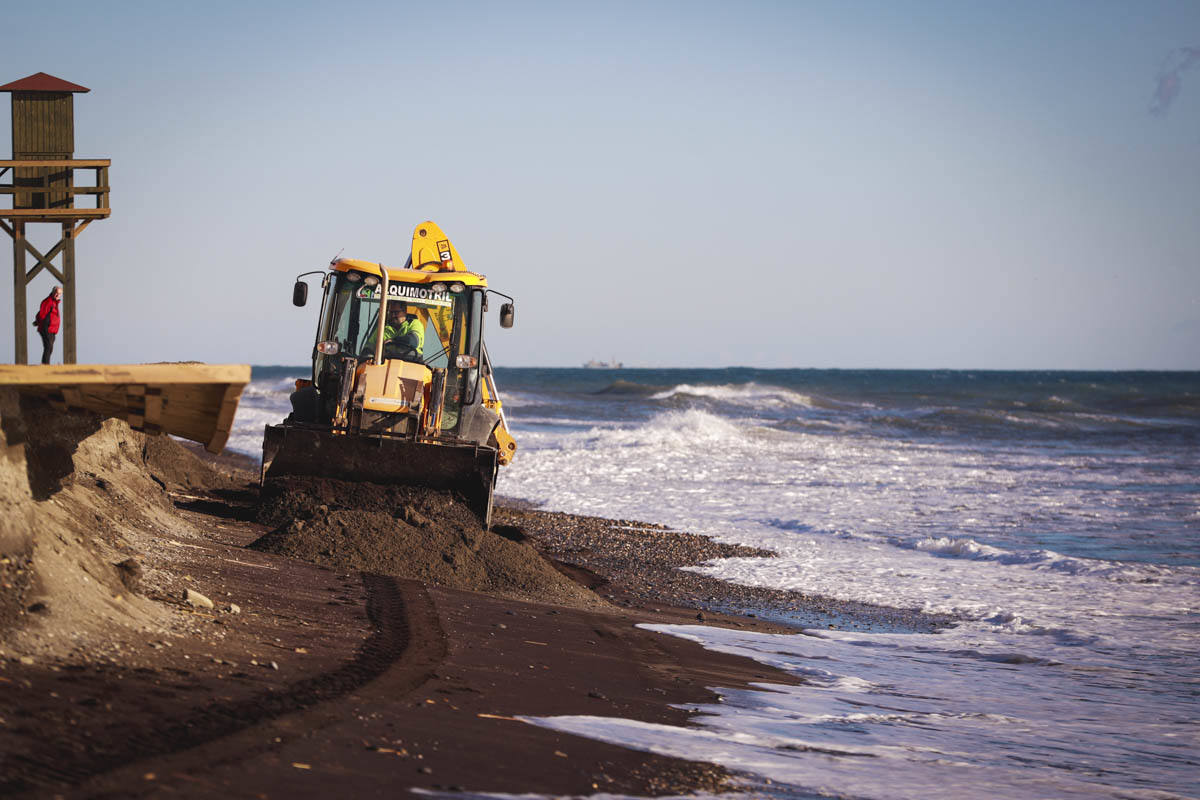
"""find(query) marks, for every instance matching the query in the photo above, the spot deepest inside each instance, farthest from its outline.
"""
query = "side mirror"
(300, 293)
(506, 315)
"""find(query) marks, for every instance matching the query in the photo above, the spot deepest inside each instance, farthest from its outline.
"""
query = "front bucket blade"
(466, 469)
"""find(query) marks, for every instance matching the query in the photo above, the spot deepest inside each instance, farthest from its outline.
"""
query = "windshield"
(423, 326)
(420, 317)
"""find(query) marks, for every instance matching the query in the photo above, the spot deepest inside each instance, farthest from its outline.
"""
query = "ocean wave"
(1117, 571)
(519, 399)
(272, 388)
(752, 395)
(1007, 422)
(629, 388)
(669, 429)
(521, 422)
(246, 436)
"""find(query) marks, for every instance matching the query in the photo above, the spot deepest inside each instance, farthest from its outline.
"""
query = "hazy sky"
(775, 184)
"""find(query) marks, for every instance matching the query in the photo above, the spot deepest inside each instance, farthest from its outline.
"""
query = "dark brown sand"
(400, 531)
(351, 641)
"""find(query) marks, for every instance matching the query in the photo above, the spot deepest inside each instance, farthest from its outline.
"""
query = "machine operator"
(403, 333)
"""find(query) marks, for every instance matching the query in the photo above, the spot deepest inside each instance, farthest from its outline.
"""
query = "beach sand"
(166, 631)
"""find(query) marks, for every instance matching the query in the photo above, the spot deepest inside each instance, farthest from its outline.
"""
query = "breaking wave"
(671, 430)
(751, 395)
(1118, 571)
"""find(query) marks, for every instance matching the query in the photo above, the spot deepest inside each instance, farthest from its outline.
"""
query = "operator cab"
(437, 325)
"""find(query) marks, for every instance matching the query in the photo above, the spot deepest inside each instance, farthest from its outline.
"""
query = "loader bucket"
(466, 469)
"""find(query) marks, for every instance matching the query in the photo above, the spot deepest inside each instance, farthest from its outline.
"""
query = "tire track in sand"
(407, 642)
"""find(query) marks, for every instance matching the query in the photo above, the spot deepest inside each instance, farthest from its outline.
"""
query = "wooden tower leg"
(20, 335)
(68, 306)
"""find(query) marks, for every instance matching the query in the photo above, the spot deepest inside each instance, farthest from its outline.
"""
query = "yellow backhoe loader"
(416, 405)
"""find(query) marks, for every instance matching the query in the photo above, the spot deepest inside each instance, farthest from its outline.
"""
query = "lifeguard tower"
(43, 189)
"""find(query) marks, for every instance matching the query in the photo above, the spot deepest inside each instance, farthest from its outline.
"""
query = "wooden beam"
(73, 397)
(195, 401)
(179, 373)
(79, 163)
(44, 261)
(68, 305)
(102, 181)
(224, 422)
(20, 342)
(8, 188)
(53, 214)
(154, 403)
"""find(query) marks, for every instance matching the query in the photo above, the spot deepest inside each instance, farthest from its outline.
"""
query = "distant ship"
(594, 364)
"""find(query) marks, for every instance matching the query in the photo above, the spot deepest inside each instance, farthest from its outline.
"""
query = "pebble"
(647, 561)
(198, 600)
(234, 608)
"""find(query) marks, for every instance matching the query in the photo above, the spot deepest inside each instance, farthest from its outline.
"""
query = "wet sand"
(314, 673)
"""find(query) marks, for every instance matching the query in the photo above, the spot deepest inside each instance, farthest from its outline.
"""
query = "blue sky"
(901, 184)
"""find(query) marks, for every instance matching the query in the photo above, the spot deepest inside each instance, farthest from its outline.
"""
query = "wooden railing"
(49, 183)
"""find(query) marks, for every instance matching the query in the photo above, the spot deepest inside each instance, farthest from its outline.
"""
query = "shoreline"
(595, 552)
(307, 679)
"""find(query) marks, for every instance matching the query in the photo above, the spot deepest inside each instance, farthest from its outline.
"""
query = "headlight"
(457, 288)
(438, 287)
(354, 277)
(371, 280)
(329, 348)
(466, 362)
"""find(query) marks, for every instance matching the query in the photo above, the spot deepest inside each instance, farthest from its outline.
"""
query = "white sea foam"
(750, 395)
(891, 733)
(458, 794)
(512, 399)
(1067, 678)
(282, 387)
(889, 522)
(246, 435)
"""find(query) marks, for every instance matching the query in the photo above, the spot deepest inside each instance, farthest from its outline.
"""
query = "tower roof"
(41, 82)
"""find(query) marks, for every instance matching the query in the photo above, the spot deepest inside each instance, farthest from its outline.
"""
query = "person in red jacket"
(47, 322)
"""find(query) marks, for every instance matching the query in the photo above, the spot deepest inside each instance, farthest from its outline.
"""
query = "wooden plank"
(229, 402)
(73, 396)
(19, 311)
(183, 374)
(68, 293)
(78, 163)
(45, 261)
(154, 402)
(195, 401)
(102, 181)
(54, 214)
(6, 188)
(43, 122)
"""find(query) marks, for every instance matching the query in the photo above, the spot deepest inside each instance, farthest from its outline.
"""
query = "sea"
(1055, 515)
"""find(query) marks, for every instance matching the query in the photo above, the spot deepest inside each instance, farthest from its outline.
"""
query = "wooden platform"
(193, 401)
